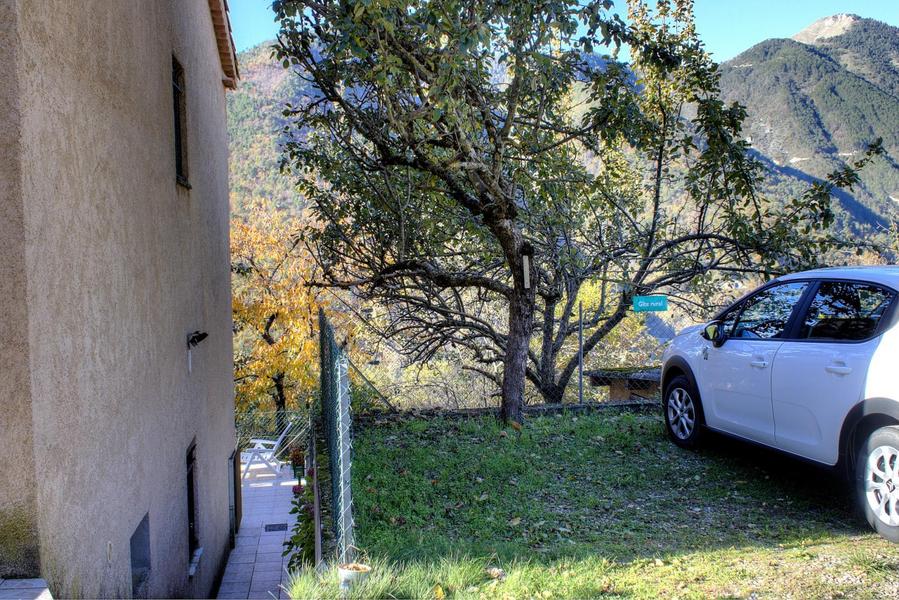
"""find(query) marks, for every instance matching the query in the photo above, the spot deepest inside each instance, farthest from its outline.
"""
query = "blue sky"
(726, 26)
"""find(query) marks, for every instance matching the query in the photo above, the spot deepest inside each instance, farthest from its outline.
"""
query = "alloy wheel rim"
(882, 484)
(681, 413)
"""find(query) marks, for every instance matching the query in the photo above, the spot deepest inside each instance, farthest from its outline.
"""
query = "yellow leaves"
(274, 311)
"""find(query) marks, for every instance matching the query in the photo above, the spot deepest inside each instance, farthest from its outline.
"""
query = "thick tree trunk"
(521, 318)
(522, 303)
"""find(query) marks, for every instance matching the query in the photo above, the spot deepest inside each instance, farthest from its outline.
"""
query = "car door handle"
(759, 364)
(838, 369)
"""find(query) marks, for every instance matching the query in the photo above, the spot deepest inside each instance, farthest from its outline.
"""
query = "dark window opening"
(192, 533)
(140, 559)
(180, 113)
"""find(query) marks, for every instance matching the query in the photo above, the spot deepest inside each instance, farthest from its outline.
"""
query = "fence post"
(344, 453)
(312, 462)
(337, 428)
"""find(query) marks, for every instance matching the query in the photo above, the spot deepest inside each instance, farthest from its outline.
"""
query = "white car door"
(735, 380)
(821, 375)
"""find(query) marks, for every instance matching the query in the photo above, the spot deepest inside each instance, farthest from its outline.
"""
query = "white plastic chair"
(265, 452)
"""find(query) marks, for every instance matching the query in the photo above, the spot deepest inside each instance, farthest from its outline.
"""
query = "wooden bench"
(625, 384)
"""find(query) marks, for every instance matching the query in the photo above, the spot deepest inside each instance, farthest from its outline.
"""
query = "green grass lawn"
(592, 505)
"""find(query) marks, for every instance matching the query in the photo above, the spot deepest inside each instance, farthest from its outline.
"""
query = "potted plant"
(298, 462)
(352, 573)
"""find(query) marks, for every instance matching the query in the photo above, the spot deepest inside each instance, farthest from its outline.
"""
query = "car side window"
(845, 311)
(766, 315)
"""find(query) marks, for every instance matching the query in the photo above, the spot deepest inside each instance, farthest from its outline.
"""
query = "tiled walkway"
(255, 567)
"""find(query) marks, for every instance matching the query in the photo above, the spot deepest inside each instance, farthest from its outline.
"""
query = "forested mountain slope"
(254, 124)
(814, 102)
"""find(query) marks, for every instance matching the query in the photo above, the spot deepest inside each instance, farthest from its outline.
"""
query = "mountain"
(816, 100)
(865, 47)
(828, 27)
(254, 125)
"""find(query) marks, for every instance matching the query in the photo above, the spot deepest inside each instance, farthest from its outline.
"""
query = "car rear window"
(845, 311)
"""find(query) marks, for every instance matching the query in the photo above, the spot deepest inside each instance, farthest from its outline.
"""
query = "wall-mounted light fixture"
(193, 340)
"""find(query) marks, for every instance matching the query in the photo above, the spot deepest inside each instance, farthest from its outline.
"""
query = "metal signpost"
(580, 352)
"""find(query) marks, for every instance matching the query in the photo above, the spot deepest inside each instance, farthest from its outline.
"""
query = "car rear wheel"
(683, 412)
(877, 481)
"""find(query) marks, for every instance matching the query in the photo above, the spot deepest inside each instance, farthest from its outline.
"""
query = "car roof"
(884, 274)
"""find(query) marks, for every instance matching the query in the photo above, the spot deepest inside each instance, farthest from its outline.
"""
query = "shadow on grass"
(810, 483)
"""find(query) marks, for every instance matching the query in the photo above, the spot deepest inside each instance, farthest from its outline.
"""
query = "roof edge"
(221, 25)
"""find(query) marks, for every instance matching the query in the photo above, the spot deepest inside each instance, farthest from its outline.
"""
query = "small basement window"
(193, 538)
(140, 559)
(180, 113)
(193, 535)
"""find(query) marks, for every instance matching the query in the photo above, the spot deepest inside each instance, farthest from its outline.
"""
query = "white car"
(807, 364)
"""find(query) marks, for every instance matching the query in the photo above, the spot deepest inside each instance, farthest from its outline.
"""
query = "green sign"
(650, 303)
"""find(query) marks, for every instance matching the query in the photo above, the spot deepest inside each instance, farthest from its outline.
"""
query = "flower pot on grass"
(350, 574)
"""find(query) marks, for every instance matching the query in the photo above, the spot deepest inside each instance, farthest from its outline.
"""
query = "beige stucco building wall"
(18, 516)
(107, 265)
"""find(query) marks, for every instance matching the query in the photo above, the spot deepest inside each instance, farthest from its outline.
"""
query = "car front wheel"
(683, 412)
(877, 481)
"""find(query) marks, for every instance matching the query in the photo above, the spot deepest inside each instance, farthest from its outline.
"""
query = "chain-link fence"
(338, 440)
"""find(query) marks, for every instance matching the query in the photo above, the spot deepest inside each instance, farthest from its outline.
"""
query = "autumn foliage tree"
(274, 312)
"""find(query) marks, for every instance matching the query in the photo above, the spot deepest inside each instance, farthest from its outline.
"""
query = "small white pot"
(352, 573)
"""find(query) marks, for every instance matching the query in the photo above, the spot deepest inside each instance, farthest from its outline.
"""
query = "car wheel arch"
(862, 420)
(674, 367)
